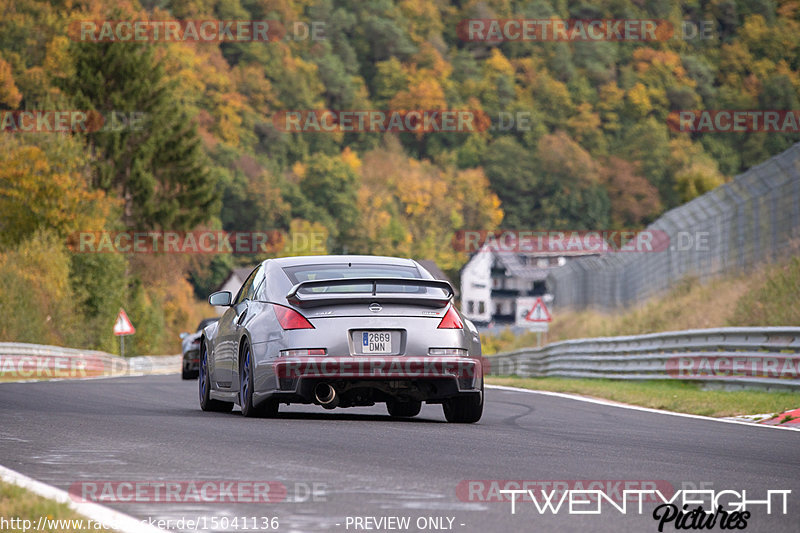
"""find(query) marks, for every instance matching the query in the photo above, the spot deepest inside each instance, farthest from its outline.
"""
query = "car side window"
(248, 288)
(257, 286)
(261, 288)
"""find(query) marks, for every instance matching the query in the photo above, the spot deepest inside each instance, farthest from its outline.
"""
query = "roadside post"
(123, 327)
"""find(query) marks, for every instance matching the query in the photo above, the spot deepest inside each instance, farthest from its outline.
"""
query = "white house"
(493, 280)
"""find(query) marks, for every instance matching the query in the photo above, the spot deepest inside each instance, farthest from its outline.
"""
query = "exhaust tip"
(325, 395)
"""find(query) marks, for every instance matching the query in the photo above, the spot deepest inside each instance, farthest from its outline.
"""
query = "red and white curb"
(789, 418)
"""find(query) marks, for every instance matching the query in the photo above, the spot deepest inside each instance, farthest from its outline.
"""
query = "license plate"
(376, 342)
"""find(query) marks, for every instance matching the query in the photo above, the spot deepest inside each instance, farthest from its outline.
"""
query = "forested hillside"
(593, 148)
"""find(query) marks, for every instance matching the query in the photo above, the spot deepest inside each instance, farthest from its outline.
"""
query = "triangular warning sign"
(538, 312)
(123, 324)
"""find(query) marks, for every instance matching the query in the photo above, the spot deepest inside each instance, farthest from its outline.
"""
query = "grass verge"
(669, 395)
(20, 504)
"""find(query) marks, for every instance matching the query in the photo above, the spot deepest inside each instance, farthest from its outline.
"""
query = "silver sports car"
(341, 331)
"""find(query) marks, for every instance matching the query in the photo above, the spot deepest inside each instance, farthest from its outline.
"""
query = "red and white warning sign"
(123, 324)
(539, 312)
(532, 313)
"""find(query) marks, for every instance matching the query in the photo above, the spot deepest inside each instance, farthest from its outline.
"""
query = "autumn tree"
(512, 171)
(330, 185)
(634, 200)
(414, 208)
(156, 163)
(568, 193)
(47, 189)
(9, 94)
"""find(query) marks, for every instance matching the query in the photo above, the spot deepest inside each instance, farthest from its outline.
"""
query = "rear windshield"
(301, 273)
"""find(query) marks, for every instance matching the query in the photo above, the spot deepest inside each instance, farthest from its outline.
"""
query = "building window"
(481, 307)
(498, 309)
(539, 288)
(470, 307)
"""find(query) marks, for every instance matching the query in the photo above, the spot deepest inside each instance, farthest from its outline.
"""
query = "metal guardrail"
(750, 221)
(765, 358)
(154, 364)
(42, 361)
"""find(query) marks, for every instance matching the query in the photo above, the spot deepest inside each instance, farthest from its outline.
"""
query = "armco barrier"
(765, 358)
(39, 361)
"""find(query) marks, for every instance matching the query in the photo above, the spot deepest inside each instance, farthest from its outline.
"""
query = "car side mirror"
(220, 298)
(184, 335)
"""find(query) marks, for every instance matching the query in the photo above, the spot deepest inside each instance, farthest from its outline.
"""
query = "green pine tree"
(151, 155)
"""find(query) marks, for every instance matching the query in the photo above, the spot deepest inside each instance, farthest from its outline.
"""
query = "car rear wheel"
(204, 386)
(267, 408)
(464, 409)
(403, 409)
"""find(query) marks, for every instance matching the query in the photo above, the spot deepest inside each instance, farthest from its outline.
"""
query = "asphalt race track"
(341, 465)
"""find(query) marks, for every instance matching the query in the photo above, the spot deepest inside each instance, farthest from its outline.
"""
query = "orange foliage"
(38, 193)
(9, 94)
(633, 198)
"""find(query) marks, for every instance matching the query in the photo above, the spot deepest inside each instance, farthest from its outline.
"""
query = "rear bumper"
(365, 380)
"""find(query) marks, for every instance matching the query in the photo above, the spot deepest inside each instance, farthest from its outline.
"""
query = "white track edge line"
(634, 407)
(117, 520)
(91, 378)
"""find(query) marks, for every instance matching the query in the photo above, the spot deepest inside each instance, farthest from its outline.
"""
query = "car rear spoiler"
(306, 299)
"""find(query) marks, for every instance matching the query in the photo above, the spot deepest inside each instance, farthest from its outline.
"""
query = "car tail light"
(451, 320)
(303, 352)
(291, 319)
(448, 351)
